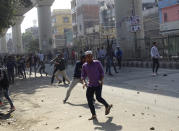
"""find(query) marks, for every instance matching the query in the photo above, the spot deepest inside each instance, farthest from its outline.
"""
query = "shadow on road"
(97, 106)
(141, 80)
(107, 126)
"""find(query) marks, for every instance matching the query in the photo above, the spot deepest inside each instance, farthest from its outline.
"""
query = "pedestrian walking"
(155, 58)
(4, 88)
(76, 77)
(11, 66)
(94, 71)
(42, 68)
(119, 56)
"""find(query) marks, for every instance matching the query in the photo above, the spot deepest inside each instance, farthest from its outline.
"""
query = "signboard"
(134, 23)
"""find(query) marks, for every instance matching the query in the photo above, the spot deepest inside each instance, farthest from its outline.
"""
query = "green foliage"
(31, 45)
(8, 9)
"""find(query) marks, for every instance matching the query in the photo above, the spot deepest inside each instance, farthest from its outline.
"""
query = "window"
(65, 19)
(165, 17)
(54, 20)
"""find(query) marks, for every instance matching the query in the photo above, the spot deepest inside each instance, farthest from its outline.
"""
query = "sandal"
(108, 109)
(93, 117)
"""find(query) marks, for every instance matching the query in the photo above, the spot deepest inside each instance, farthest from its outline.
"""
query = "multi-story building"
(107, 18)
(169, 25)
(85, 14)
(169, 16)
(62, 28)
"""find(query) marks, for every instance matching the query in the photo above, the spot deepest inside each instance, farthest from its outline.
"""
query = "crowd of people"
(13, 66)
(87, 68)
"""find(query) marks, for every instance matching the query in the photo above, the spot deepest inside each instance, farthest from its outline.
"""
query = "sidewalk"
(141, 103)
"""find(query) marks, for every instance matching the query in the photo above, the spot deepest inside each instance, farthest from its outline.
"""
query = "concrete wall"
(126, 38)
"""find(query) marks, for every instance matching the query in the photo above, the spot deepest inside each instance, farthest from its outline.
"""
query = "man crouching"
(4, 88)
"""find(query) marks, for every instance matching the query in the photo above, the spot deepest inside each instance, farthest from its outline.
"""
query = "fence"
(168, 47)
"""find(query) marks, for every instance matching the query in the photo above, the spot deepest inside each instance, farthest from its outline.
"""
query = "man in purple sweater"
(94, 71)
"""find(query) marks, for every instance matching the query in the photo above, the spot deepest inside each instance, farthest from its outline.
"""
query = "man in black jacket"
(60, 66)
(4, 87)
(76, 77)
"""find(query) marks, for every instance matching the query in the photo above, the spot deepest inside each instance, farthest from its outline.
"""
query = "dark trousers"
(35, 69)
(114, 66)
(20, 71)
(155, 65)
(42, 69)
(119, 62)
(11, 75)
(53, 75)
(6, 95)
(90, 93)
(23, 70)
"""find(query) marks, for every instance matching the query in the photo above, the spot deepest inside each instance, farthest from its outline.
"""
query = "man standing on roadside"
(155, 58)
(76, 77)
(94, 71)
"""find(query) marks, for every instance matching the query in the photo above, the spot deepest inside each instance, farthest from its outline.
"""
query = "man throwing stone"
(94, 71)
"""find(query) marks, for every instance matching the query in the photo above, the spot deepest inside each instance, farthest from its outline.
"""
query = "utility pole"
(125, 35)
(135, 33)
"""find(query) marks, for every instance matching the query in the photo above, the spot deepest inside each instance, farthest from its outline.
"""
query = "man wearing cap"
(94, 71)
(76, 77)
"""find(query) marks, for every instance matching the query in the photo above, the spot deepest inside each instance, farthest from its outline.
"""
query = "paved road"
(141, 103)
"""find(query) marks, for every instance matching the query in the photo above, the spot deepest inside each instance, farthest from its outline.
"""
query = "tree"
(9, 9)
(30, 44)
(33, 46)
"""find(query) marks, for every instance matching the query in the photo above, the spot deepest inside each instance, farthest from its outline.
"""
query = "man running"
(94, 71)
(76, 77)
(4, 87)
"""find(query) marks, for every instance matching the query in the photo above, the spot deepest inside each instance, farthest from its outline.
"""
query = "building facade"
(169, 25)
(61, 28)
(85, 14)
(169, 16)
(107, 19)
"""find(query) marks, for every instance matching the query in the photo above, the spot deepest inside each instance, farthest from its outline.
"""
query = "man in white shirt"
(155, 58)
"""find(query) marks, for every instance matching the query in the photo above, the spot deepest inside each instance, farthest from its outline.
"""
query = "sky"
(32, 14)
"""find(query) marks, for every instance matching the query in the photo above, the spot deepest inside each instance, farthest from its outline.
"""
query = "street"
(140, 103)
